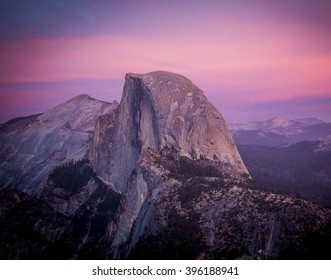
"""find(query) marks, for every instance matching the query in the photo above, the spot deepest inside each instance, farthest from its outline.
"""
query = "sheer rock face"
(157, 110)
(187, 120)
(103, 144)
(31, 147)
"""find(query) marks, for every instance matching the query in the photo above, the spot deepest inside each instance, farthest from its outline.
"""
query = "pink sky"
(240, 55)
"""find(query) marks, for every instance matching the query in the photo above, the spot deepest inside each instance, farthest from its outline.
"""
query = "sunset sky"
(254, 59)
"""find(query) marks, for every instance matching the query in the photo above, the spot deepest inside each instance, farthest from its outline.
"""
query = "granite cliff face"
(159, 178)
(163, 109)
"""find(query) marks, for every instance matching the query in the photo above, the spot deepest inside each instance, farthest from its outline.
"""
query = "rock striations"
(157, 176)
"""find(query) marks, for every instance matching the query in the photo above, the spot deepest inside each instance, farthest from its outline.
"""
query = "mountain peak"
(158, 75)
(161, 82)
(47, 140)
(167, 88)
(81, 97)
(182, 117)
(279, 122)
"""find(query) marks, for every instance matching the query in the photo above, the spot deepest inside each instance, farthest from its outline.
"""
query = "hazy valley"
(288, 156)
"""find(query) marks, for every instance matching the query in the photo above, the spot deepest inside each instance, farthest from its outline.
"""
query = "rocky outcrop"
(31, 147)
(158, 110)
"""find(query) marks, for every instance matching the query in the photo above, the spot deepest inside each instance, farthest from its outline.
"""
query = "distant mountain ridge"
(309, 121)
(281, 131)
(274, 123)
